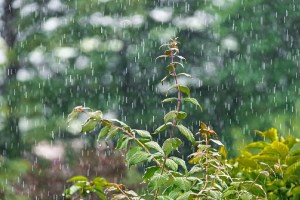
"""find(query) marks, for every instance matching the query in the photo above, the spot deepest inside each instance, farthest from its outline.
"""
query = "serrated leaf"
(136, 155)
(162, 127)
(111, 133)
(143, 133)
(89, 125)
(103, 132)
(182, 183)
(193, 101)
(180, 162)
(123, 142)
(150, 171)
(154, 145)
(158, 180)
(77, 178)
(171, 164)
(169, 100)
(218, 142)
(186, 132)
(170, 145)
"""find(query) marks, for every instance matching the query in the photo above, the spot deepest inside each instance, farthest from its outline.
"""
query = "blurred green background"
(58, 54)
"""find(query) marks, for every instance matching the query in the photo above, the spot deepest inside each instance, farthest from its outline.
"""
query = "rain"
(243, 57)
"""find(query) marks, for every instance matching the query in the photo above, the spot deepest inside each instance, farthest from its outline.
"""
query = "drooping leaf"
(103, 132)
(111, 133)
(143, 133)
(170, 145)
(96, 115)
(281, 148)
(185, 89)
(180, 57)
(123, 142)
(186, 132)
(154, 145)
(162, 56)
(180, 162)
(165, 78)
(171, 164)
(162, 127)
(158, 180)
(193, 101)
(170, 115)
(89, 125)
(182, 183)
(120, 122)
(150, 171)
(135, 155)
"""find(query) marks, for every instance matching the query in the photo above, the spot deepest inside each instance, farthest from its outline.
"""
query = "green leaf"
(295, 191)
(77, 178)
(182, 183)
(193, 101)
(74, 189)
(186, 132)
(143, 133)
(185, 89)
(169, 100)
(180, 162)
(111, 133)
(270, 134)
(258, 145)
(150, 171)
(180, 57)
(89, 125)
(281, 148)
(120, 122)
(103, 132)
(182, 88)
(154, 145)
(96, 115)
(171, 164)
(162, 128)
(293, 169)
(162, 80)
(195, 169)
(171, 144)
(158, 180)
(123, 142)
(172, 114)
(136, 156)
(186, 196)
(229, 192)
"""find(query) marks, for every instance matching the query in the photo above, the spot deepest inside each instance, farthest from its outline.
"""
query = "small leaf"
(123, 142)
(184, 74)
(270, 134)
(171, 164)
(154, 145)
(150, 171)
(185, 89)
(171, 144)
(111, 133)
(170, 115)
(89, 125)
(120, 122)
(143, 133)
(162, 128)
(135, 156)
(193, 101)
(77, 178)
(74, 189)
(96, 115)
(180, 162)
(186, 132)
(158, 181)
(182, 183)
(169, 100)
(217, 142)
(103, 132)
(180, 57)
(162, 80)
(162, 56)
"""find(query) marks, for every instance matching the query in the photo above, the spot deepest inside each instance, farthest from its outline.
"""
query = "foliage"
(166, 175)
(272, 162)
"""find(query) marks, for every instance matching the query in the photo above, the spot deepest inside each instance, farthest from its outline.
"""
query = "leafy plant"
(274, 162)
(166, 175)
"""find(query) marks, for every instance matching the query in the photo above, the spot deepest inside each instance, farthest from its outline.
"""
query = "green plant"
(274, 163)
(166, 175)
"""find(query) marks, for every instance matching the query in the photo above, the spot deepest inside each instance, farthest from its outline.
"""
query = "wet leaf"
(111, 133)
(170, 145)
(180, 57)
(218, 142)
(150, 171)
(158, 181)
(103, 132)
(154, 145)
(171, 164)
(180, 162)
(89, 125)
(182, 183)
(77, 178)
(186, 132)
(135, 155)
(143, 133)
(185, 89)
(169, 100)
(184, 74)
(270, 134)
(193, 101)
(162, 127)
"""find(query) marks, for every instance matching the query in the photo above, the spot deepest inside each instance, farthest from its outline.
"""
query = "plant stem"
(122, 191)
